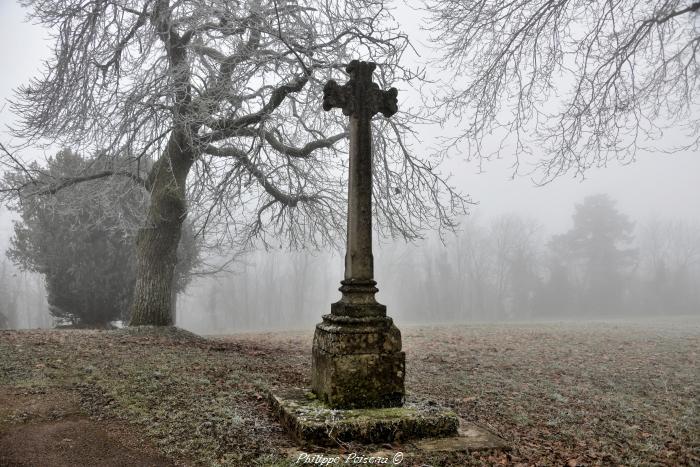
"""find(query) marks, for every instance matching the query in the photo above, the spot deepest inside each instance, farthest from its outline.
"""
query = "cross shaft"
(360, 99)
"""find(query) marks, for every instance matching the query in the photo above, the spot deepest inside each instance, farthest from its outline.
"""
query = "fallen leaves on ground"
(573, 394)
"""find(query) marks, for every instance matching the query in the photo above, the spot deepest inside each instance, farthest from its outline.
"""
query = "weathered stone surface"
(358, 362)
(359, 381)
(360, 97)
(470, 437)
(357, 336)
(312, 422)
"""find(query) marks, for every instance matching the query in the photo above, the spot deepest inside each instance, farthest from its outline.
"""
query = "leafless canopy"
(244, 79)
(576, 82)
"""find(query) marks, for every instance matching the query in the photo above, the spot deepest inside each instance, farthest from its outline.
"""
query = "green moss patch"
(312, 422)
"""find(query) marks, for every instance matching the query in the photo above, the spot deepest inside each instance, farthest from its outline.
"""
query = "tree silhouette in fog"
(83, 243)
(596, 253)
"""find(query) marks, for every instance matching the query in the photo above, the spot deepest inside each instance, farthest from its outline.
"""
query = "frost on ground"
(561, 394)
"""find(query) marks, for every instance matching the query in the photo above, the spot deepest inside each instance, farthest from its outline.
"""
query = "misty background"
(508, 261)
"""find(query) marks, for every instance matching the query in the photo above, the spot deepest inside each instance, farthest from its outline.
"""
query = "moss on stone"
(311, 421)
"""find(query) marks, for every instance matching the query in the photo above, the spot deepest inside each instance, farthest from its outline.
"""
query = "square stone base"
(359, 380)
(312, 422)
(357, 362)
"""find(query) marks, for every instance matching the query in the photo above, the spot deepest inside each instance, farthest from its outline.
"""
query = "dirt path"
(48, 429)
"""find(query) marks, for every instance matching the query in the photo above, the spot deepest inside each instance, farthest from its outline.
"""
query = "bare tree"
(670, 243)
(573, 83)
(223, 97)
(670, 260)
(474, 257)
(514, 242)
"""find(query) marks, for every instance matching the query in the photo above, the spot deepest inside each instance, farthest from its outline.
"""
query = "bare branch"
(569, 84)
(65, 183)
(271, 189)
(228, 127)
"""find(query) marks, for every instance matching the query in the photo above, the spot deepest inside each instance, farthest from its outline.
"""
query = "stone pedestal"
(357, 361)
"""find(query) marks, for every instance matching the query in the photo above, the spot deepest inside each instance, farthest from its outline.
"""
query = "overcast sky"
(661, 185)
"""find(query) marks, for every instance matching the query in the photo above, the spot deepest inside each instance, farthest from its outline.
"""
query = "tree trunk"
(157, 241)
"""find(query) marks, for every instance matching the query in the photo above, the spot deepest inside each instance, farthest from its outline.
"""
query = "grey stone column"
(357, 357)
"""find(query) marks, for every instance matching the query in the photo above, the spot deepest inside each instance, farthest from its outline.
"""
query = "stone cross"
(360, 99)
(357, 357)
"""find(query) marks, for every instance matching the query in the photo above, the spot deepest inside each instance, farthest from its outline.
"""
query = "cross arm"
(337, 96)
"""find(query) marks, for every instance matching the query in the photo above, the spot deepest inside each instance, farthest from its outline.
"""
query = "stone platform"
(427, 427)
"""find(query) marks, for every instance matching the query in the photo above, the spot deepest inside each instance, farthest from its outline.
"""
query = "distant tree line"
(604, 266)
(8, 297)
(22, 299)
(505, 268)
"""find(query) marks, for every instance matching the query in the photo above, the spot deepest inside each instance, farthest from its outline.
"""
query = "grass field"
(597, 393)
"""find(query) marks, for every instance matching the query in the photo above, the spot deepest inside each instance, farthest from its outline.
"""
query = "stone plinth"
(310, 421)
(357, 362)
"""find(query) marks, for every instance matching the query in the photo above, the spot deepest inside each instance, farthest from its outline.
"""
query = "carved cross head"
(360, 96)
